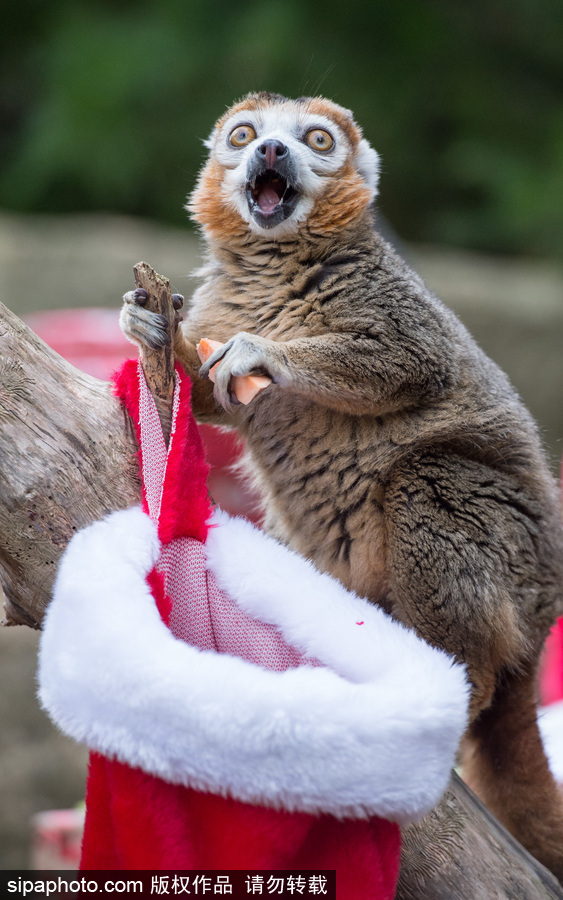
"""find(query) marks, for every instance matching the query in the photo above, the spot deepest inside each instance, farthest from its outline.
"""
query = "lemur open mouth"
(271, 198)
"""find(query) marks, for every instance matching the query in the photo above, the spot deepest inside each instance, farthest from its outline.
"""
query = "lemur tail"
(504, 762)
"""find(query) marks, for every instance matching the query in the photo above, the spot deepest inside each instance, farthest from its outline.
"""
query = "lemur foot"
(143, 327)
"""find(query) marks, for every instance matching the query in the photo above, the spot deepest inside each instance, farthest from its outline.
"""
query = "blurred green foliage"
(103, 104)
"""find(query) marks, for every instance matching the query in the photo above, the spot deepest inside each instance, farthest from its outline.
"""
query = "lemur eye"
(242, 135)
(319, 140)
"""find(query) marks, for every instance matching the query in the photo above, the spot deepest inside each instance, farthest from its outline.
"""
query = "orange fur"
(344, 200)
(251, 102)
(323, 107)
(209, 207)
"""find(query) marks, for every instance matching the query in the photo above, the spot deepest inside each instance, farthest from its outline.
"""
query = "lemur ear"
(368, 165)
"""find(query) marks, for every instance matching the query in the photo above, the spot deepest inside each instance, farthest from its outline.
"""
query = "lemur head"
(276, 166)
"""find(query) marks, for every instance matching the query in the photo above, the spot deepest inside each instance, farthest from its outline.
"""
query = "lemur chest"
(276, 308)
(319, 471)
(320, 475)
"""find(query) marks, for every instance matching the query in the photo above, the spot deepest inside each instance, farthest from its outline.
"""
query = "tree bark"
(460, 851)
(68, 456)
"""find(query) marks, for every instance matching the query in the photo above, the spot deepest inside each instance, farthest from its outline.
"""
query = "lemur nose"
(272, 151)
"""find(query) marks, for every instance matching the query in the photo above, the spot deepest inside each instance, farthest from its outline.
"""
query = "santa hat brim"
(372, 731)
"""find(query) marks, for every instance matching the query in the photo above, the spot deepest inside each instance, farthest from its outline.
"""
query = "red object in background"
(56, 839)
(92, 340)
(551, 686)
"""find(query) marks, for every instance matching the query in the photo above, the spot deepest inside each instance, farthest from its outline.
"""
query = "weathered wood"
(461, 852)
(68, 453)
(67, 457)
(158, 365)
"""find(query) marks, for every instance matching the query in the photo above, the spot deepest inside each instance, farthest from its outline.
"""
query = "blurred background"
(103, 108)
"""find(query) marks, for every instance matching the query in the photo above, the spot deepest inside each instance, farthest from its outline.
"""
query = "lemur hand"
(244, 354)
(143, 327)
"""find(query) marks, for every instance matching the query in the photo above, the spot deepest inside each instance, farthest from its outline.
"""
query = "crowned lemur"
(388, 449)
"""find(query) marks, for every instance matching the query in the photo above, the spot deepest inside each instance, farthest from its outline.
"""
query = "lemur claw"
(140, 296)
(215, 357)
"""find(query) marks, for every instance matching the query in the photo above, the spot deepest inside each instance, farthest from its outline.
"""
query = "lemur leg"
(463, 547)
(505, 764)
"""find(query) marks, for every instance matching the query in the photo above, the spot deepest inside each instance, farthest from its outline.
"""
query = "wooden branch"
(461, 852)
(158, 365)
(67, 457)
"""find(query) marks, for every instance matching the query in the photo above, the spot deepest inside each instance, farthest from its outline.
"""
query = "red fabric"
(551, 675)
(137, 821)
(187, 508)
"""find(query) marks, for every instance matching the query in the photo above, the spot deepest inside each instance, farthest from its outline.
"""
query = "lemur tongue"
(268, 199)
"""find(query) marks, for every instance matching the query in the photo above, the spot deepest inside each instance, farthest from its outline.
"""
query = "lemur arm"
(347, 372)
(377, 370)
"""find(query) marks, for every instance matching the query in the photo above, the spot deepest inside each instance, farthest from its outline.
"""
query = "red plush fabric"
(137, 821)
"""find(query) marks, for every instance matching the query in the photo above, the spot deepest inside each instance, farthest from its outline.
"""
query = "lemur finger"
(139, 296)
(223, 393)
(215, 357)
(177, 303)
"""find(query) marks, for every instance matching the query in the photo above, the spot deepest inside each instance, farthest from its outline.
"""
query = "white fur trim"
(550, 720)
(376, 736)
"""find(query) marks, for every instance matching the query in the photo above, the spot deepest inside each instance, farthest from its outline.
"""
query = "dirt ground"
(513, 307)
